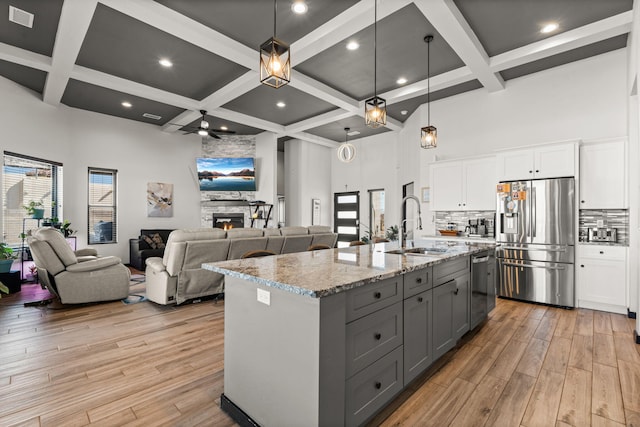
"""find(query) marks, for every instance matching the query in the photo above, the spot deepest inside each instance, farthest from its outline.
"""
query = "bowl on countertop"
(448, 232)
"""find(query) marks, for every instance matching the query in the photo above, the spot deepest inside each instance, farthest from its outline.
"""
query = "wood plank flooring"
(145, 364)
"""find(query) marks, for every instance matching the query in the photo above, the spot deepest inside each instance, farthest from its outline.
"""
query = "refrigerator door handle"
(515, 248)
(514, 264)
(534, 214)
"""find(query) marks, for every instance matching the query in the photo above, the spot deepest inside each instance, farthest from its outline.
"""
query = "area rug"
(137, 290)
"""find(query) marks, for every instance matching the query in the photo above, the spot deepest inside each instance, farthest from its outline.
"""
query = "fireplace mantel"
(225, 202)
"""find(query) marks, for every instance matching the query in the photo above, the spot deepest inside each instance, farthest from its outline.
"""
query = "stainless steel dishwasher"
(479, 280)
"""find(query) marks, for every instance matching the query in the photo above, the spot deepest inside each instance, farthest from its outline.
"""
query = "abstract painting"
(159, 199)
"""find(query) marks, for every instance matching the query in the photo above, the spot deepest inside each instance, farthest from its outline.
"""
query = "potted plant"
(7, 255)
(64, 228)
(34, 209)
(392, 233)
(3, 288)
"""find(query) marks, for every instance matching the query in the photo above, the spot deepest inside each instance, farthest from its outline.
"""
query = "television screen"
(226, 174)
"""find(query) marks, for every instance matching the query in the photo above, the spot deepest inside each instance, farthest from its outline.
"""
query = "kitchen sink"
(418, 251)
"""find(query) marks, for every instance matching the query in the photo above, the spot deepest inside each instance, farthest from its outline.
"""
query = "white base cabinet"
(601, 278)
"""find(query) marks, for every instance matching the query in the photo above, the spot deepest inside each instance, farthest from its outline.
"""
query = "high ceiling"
(95, 54)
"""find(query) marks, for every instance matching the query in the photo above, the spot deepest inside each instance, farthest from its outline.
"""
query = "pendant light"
(428, 134)
(347, 151)
(375, 109)
(275, 61)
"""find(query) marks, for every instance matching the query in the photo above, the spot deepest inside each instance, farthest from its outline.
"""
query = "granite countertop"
(325, 272)
(462, 237)
(603, 244)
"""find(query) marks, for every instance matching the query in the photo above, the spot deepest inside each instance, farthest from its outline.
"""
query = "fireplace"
(227, 221)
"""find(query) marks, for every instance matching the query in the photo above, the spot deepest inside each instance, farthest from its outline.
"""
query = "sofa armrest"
(155, 263)
(94, 264)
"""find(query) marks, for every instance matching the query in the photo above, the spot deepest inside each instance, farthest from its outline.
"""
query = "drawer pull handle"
(582, 265)
(420, 299)
(377, 295)
(602, 252)
(456, 292)
(378, 385)
(377, 335)
(419, 280)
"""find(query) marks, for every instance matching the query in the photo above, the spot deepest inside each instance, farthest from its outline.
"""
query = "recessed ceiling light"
(550, 27)
(299, 7)
(353, 133)
(151, 116)
(281, 104)
(353, 45)
(224, 128)
(126, 104)
(166, 63)
(404, 112)
(401, 81)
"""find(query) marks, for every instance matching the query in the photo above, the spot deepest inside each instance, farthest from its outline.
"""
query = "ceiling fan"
(203, 129)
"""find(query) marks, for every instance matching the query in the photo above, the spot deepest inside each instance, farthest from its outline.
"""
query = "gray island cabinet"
(328, 338)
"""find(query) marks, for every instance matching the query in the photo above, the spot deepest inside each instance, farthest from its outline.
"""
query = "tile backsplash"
(612, 218)
(461, 219)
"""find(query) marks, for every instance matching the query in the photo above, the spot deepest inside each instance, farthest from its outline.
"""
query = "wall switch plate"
(600, 223)
(264, 296)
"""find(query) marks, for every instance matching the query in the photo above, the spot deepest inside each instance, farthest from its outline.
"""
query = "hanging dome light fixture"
(347, 151)
(275, 59)
(428, 134)
(375, 109)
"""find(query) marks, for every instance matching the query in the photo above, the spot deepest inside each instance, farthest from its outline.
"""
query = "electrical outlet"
(264, 296)
(600, 223)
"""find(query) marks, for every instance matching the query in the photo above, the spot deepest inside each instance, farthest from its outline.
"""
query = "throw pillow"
(157, 239)
(149, 240)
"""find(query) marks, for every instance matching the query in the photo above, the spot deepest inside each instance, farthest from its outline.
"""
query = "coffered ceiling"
(96, 54)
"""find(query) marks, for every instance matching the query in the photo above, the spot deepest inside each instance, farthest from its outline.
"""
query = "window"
(376, 213)
(27, 179)
(102, 206)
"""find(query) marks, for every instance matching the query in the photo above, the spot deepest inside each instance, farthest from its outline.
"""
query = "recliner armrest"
(95, 264)
(155, 263)
(86, 252)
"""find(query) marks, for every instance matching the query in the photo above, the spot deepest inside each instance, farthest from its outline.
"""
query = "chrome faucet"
(403, 234)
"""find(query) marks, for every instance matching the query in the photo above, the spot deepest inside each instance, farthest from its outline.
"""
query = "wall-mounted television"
(226, 173)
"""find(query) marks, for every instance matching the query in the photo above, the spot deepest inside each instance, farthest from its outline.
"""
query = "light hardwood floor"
(144, 364)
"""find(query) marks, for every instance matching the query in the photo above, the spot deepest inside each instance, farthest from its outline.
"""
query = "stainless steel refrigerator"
(535, 233)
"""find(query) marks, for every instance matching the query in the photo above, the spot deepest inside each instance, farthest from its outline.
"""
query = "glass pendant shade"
(347, 151)
(375, 112)
(275, 63)
(429, 137)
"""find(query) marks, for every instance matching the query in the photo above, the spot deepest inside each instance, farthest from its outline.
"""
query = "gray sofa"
(178, 276)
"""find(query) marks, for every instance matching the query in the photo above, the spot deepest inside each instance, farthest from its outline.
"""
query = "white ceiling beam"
(348, 23)
(441, 81)
(127, 86)
(314, 139)
(72, 28)
(322, 91)
(178, 25)
(24, 57)
(245, 119)
(316, 121)
(582, 36)
(447, 19)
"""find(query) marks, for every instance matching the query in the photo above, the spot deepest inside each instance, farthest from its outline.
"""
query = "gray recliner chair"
(77, 277)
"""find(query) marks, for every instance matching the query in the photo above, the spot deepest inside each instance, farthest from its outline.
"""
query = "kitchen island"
(329, 337)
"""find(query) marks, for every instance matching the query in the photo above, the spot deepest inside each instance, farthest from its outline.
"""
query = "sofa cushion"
(58, 244)
(154, 241)
(268, 232)
(294, 231)
(314, 229)
(238, 247)
(185, 235)
(296, 243)
(237, 233)
(328, 239)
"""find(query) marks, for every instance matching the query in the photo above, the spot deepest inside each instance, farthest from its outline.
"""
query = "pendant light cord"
(375, 50)
(428, 82)
(275, 14)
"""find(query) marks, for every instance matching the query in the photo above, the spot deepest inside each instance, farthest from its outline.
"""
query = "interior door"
(346, 217)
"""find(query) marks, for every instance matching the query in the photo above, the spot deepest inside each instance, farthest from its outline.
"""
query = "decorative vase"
(5, 265)
(38, 213)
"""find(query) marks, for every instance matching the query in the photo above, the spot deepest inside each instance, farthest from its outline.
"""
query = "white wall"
(141, 153)
(267, 171)
(307, 176)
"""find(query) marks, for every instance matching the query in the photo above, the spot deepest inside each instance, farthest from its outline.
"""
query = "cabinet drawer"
(446, 271)
(602, 252)
(372, 297)
(373, 336)
(370, 389)
(417, 281)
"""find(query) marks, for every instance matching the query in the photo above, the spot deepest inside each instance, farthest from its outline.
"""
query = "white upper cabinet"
(548, 161)
(603, 183)
(464, 185)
